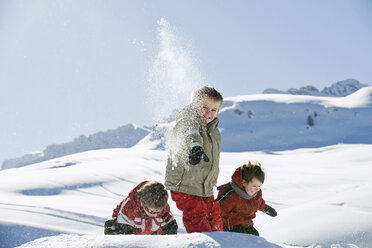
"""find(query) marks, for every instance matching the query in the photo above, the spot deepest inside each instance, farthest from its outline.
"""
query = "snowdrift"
(196, 240)
(322, 197)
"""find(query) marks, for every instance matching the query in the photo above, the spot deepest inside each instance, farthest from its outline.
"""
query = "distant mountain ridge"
(121, 137)
(338, 89)
(277, 122)
(269, 122)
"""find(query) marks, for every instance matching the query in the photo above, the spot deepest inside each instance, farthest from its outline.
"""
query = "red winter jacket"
(235, 210)
(130, 212)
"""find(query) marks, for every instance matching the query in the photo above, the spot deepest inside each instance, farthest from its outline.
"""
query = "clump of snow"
(173, 75)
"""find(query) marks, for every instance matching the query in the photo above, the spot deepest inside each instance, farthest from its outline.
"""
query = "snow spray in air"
(173, 75)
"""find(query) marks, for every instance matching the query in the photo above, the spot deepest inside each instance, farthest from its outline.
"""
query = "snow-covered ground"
(322, 195)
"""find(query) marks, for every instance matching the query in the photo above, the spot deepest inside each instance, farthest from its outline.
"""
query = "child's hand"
(270, 211)
(196, 155)
(111, 226)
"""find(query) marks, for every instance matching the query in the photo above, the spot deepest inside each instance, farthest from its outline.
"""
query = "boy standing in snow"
(241, 198)
(144, 211)
(193, 163)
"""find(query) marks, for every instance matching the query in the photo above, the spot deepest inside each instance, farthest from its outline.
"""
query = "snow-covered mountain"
(277, 122)
(271, 122)
(121, 137)
(338, 89)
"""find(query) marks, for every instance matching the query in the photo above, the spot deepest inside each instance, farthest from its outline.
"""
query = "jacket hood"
(237, 184)
(133, 196)
(237, 177)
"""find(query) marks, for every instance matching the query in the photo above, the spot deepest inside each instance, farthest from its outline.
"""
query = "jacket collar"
(241, 192)
(213, 125)
(237, 184)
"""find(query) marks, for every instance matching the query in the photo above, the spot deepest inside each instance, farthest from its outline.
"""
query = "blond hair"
(206, 91)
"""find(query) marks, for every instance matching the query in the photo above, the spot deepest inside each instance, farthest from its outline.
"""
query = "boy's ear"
(220, 106)
(244, 183)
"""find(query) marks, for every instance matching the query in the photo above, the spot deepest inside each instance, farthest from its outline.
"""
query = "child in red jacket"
(144, 211)
(241, 198)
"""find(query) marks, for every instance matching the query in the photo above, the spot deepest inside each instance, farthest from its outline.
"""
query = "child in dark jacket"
(241, 198)
(144, 211)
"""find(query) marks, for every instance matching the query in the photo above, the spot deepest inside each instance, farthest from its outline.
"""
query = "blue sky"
(77, 67)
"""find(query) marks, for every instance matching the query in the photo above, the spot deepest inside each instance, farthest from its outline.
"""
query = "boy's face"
(252, 187)
(209, 108)
(152, 212)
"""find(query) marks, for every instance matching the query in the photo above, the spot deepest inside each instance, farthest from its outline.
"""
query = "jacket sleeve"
(187, 133)
(261, 203)
(115, 213)
(126, 215)
(227, 206)
(189, 125)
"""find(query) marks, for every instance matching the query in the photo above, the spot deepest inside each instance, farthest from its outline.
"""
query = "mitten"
(270, 211)
(170, 228)
(196, 154)
(111, 227)
(126, 229)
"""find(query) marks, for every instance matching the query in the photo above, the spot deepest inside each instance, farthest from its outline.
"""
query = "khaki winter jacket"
(191, 130)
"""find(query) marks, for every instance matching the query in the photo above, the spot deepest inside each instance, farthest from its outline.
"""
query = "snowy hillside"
(322, 196)
(272, 122)
(121, 137)
(278, 122)
(338, 89)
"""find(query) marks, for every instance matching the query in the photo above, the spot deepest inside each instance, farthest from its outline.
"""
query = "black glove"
(170, 228)
(196, 154)
(126, 229)
(111, 227)
(270, 211)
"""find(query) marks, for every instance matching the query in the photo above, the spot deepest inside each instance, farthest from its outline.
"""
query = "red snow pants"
(199, 214)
